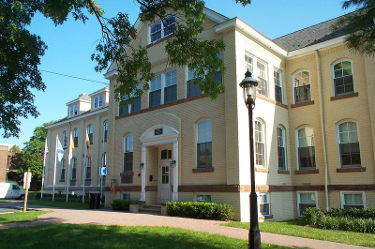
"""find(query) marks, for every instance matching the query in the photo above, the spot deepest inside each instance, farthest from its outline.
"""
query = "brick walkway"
(108, 217)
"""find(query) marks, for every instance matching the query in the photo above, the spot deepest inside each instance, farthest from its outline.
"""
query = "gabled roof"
(311, 35)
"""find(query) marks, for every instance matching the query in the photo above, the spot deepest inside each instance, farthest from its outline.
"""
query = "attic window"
(162, 29)
(73, 110)
(158, 132)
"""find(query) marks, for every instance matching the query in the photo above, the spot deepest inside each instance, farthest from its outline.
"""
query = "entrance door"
(165, 157)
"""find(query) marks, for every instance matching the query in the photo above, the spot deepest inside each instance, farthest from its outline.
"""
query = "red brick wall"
(3, 165)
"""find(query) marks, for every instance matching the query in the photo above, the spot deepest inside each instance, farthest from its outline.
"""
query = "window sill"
(203, 170)
(265, 98)
(349, 170)
(267, 217)
(281, 171)
(124, 174)
(159, 41)
(302, 104)
(344, 96)
(262, 170)
(306, 171)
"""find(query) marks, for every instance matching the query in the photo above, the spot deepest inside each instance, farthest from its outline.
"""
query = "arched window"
(342, 78)
(260, 157)
(306, 148)
(349, 150)
(204, 144)
(301, 86)
(62, 172)
(90, 133)
(128, 158)
(281, 148)
(74, 168)
(105, 131)
(75, 137)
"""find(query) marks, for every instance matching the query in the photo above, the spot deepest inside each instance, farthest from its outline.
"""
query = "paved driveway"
(108, 217)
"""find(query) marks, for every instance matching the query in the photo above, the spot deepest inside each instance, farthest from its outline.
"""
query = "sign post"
(26, 184)
(102, 172)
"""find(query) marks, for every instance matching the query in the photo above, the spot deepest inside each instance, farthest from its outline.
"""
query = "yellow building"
(314, 126)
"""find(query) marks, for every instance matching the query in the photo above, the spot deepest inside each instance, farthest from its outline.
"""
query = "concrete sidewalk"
(108, 217)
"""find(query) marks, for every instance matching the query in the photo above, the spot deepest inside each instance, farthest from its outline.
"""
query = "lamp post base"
(254, 233)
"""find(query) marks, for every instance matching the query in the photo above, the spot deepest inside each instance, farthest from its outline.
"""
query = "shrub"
(353, 219)
(121, 205)
(200, 210)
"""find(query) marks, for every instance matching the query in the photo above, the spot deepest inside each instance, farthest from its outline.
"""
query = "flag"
(59, 150)
(71, 148)
(71, 142)
(87, 144)
(45, 152)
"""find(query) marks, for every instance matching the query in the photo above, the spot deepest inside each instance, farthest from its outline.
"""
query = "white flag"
(59, 150)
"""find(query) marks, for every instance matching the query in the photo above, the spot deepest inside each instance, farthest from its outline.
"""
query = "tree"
(33, 155)
(359, 26)
(15, 150)
(20, 51)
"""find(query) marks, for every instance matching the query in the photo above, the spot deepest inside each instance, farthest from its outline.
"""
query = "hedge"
(121, 205)
(352, 212)
(346, 220)
(200, 210)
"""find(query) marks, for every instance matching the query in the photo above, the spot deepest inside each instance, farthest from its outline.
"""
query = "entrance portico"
(165, 138)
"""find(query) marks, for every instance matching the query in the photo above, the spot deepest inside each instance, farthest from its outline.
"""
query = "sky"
(70, 47)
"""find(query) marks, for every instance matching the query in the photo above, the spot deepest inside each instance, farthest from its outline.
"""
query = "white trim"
(317, 46)
(108, 75)
(299, 200)
(353, 192)
(243, 26)
(338, 140)
(297, 144)
(333, 75)
(78, 117)
(210, 14)
(103, 90)
(293, 84)
(268, 201)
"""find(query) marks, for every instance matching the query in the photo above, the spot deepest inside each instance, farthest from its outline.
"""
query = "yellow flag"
(88, 144)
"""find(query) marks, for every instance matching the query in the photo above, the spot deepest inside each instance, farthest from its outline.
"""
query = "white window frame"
(162, 87)
(197, 141)
(342, 193)
(277, 70)
(294, 85)
(255, 72)
(338, 142)
(73, 110)
(299, 199)
(333, 75)
(161, 30)
(264, 142)
(98, 101)
(267, 194)
(297, 145)
(285, 147)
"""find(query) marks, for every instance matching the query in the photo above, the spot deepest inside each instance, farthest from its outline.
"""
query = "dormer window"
(162, 29)
(73, 110)
(98, 101)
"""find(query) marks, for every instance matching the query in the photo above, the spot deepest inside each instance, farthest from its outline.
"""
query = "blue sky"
(71, 45)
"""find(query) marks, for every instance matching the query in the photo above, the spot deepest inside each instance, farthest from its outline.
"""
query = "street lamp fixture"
(249, 85)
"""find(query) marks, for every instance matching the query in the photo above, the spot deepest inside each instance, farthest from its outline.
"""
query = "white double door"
(165, 159)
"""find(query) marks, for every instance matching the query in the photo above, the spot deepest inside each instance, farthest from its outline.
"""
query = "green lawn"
(59, 203)
(62, 236)
(6, 201)
(299, 229)
(20, 216)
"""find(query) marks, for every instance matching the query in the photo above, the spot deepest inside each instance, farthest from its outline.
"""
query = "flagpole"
(54, 172)
(84, 171)
(44, 166)
(101, 177)
(69, 165)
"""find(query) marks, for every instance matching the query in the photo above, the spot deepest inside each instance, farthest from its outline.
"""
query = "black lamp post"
(249, 93)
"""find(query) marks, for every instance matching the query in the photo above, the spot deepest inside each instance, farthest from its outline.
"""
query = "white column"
(175, 172)
(143, 173)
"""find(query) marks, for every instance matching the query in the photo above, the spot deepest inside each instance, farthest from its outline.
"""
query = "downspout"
(322, 120)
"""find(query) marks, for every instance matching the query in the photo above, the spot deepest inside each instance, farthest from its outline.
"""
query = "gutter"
(322, 123)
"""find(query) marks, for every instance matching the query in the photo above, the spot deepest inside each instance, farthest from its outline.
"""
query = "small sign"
(24, 180)
(158, 132)
(103, 171)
